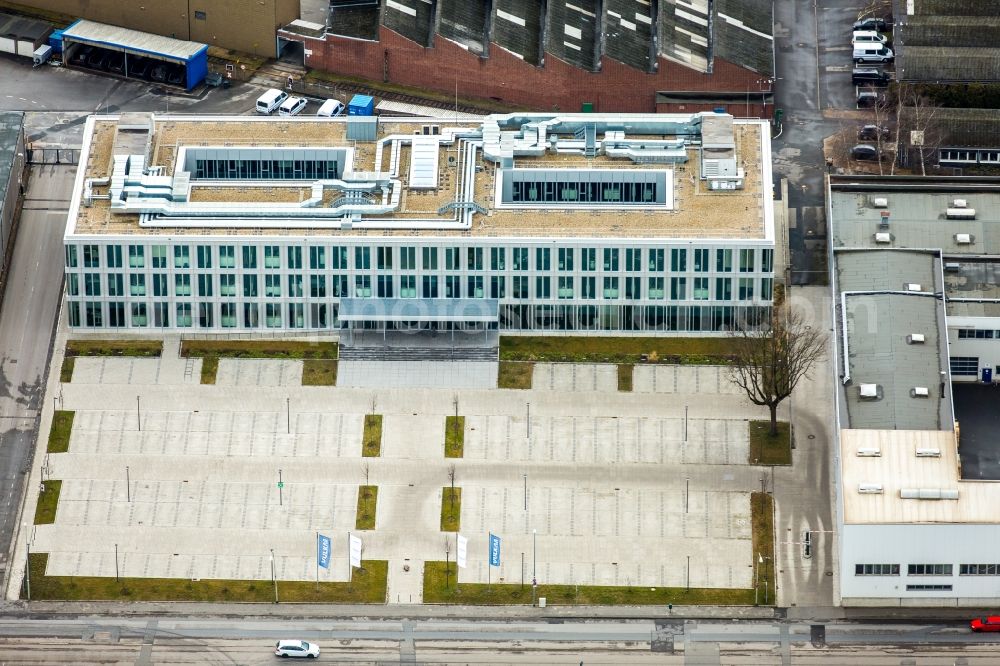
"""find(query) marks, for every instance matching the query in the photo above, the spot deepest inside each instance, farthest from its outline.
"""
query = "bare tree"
(451, 480)
(919, 126)
(771, 358)
(365, 470)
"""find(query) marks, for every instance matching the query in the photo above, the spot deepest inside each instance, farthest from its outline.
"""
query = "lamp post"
(525, 491)
(274, 579)
(534, 567)
(27, 559)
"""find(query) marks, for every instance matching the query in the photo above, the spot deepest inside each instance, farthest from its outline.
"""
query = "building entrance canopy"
(436, 310)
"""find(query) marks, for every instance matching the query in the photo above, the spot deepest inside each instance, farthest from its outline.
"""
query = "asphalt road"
(166, 640)
(27, 320)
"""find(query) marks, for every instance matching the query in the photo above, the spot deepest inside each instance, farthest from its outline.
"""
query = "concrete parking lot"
(608, 487)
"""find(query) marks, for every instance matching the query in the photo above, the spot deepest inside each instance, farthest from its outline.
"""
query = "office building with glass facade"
(578, 223)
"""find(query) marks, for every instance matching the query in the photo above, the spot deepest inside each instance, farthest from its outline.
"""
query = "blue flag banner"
(323, 551)
(494, 550)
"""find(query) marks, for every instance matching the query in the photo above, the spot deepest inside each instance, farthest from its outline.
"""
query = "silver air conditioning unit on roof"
(928, 453)
(869, 452)
(919, 392)
(964, 239)
(959, 203)
(915, 339)
(869, 391)
(880, 202)
(883, 237)
(960, 213)
(912, 286)
(870, 488)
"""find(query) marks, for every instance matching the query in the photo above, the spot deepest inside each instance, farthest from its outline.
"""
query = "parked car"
(867, 37)
(874, 53)
(98, 59)
(158, 73)
(864, 152)
(175, 75)
(296, 649)
(216, 80)
(80, 56)
(116, 63)
(872, 133)
(873, 76)
(872, 23)
(989, 623)
(868, 99)
(138, 68)
(292, 106)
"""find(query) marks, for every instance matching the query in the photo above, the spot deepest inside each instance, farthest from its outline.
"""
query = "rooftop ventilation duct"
(928, 453)
(928, 494)
(960, 213)
(870, 488)
(869, 452)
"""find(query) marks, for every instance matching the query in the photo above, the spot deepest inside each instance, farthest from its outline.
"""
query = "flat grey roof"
(102, 34)
(916, 220)
(877, 324)
(972, 279)
(419, 309)
(23, 28)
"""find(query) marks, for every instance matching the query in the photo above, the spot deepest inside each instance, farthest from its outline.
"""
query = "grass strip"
(367, 503)
(367, 586)
(209, 369)
(625, 376)
(132, 348)
(768, 450)
(66, 370)
(451, 509)
(454, 436)
(371, 440)
(62, 426)
(286, 349)
(603, 595)
(762, 522)
(580, 349)
(319, 372)
(514, 375)
(48, 500)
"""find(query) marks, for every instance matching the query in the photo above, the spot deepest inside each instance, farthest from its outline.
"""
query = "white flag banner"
(461, 548)
(355, 549)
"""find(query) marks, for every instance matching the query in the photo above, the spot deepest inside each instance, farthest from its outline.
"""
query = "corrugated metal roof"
(877, 350)
(517, 27)
(424, 162)
(23, 28)
(968, 128)
(898, 467)
(102, 34)
(628, 32)
(11, 123)
(413, 19)
(573, 33)
(743, 34)
(388, 107)
(684, 33)
(464, 22)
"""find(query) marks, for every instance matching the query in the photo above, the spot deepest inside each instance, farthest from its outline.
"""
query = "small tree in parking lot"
(771, 357)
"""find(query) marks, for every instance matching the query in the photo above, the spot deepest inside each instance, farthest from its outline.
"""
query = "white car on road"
(296, 649)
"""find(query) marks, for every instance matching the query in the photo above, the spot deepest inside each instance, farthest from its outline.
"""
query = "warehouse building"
(918, 338)
(582, 223)
(608, 55)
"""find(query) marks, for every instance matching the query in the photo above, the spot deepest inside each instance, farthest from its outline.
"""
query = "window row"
(976, 334)
(387, 257)
(682, 318)
(911, 569)
(207, 285)
(965, 366)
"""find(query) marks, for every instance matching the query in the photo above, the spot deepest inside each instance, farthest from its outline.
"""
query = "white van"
(271, 100)
(292, 106)
(867, 37)
(872, 53)
(330, 108)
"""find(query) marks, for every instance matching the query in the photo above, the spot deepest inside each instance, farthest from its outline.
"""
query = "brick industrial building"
(556, 55)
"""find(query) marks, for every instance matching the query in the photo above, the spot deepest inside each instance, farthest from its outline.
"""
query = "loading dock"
(135, 54)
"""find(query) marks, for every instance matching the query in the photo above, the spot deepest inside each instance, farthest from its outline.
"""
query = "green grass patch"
(514, 375)
(762, 522)
(66, 370)
(134, 348)
(319, 372)
(454, 436)
(286, 349)
(367, 502)
(371, 440)
(768, 450)
(451, 509)
(62, 426)
(514, 593)
(209, 369)
(367, 586)
(625, 376)
(580, 349)
(48, 499)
